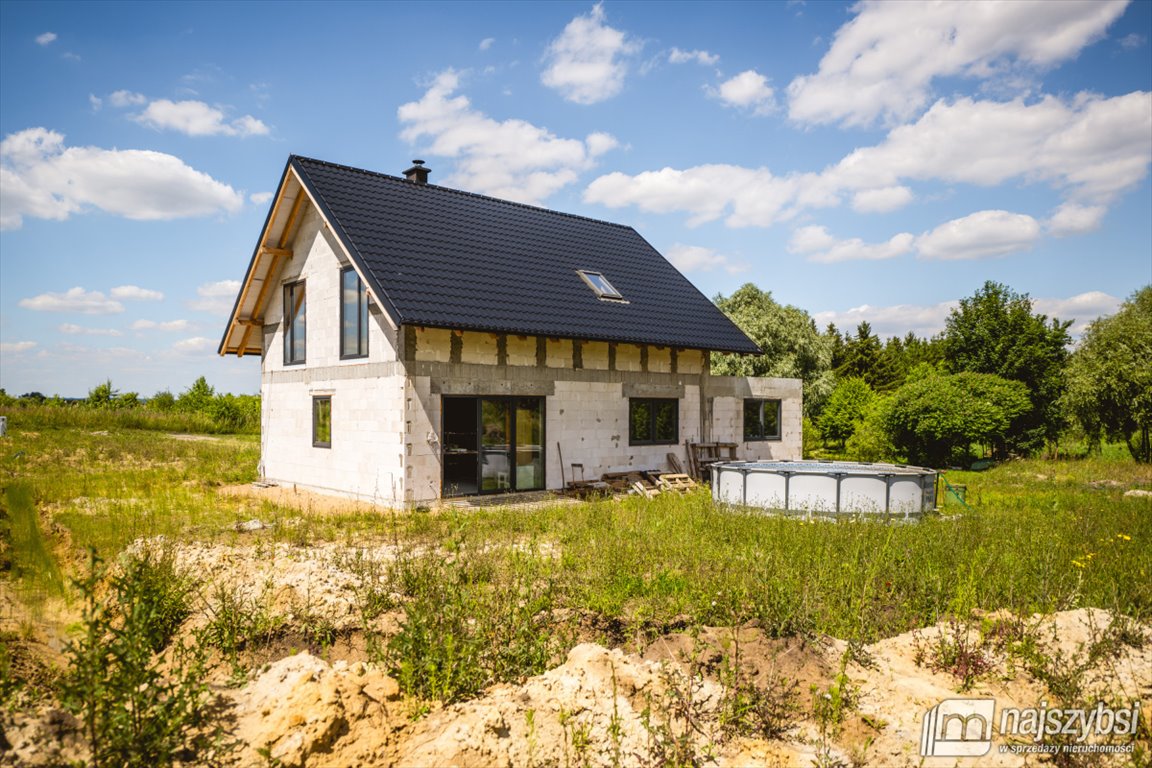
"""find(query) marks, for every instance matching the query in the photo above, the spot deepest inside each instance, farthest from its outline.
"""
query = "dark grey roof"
(450, 259)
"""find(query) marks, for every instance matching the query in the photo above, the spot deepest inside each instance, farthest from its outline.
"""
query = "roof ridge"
(463, 192)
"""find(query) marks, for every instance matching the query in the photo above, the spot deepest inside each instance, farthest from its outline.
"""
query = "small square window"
(599, 285)
(653, 421)
(761, 420)
(322, 422)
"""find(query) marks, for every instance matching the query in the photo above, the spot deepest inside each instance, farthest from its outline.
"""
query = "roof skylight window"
(600, 285)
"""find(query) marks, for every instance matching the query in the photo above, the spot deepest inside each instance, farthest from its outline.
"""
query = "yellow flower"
(1077, 563)
(1124, 536)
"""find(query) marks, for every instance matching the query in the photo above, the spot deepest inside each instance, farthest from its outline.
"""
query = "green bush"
(139, 707)
(468, 624)
(845, 409)
(935, 421)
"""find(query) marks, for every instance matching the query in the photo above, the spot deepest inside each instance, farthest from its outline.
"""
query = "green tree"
(1110, 377)
(937, 419)
(102, 395)
(861, 355)
(836, 341)
(162, 401)
(793, 347)
(996, 332)
(870, 440)
(845, 409)
(197, 398)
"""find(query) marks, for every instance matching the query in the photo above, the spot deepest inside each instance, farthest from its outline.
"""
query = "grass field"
(449, 602)
(1040, 536)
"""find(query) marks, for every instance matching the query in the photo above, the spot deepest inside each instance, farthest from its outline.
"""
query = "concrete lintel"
(305, 374)
(753, 386)
(474, 387)
(643, 389)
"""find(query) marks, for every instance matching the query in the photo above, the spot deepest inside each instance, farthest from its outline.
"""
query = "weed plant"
(470, 621)
(139, 707)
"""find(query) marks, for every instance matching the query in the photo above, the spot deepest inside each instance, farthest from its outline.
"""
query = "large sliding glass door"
(493, 444)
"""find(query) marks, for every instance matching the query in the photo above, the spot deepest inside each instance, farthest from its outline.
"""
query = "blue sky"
(861, 161)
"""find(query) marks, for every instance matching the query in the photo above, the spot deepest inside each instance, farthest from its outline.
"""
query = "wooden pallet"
(677, 482)
(647, 492)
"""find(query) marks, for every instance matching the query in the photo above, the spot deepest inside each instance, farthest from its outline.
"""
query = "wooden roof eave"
(267, 260)
(272, 249)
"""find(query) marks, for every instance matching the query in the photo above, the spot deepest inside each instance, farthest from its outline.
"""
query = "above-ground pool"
(826, 487)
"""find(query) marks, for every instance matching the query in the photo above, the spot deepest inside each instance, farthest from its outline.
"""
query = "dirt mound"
(304, 711)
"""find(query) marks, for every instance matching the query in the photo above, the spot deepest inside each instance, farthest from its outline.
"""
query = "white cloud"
(896, 320)
(194, 345)
(1092, 147)
(195, 118)
(882, 63)
(512, 159)
(216, 298)
(259, 198)
(696, 258)
(881, 199)
(127, 99)
(599, 142)
(1081, 309)
(153, 325)
(80, 330)
(587, 63)
(820, 246)
(749, 196)
(136, 292)
(980, 235)
(928, 320)
(73, 300)
(811, 240)
(46, 39)
(95, 102)
(486, 43)
(16, 347)
(42, 178)
(1073, 219)
(748, 90)
(677, 56)
(1132, 41)
(1089, 147)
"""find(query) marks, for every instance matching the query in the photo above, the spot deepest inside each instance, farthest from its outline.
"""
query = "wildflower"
(1124, 536)
(1077, 563)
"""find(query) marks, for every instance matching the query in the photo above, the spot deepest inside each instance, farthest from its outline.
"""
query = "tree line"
(196, 409)
(999, 380)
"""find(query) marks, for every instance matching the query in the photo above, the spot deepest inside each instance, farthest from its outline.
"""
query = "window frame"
(362, 315)
(317, 400)
(761, 436)
(652, 402)
(290, 325)
(590, 278)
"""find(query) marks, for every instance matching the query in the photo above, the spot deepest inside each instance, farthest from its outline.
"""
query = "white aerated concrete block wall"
(589, 420)
(365, 460)
(728, 419)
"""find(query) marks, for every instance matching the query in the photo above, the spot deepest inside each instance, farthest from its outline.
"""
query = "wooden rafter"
(287, 232)
(276, 253)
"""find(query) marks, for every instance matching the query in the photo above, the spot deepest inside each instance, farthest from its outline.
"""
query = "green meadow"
(1036, 536)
